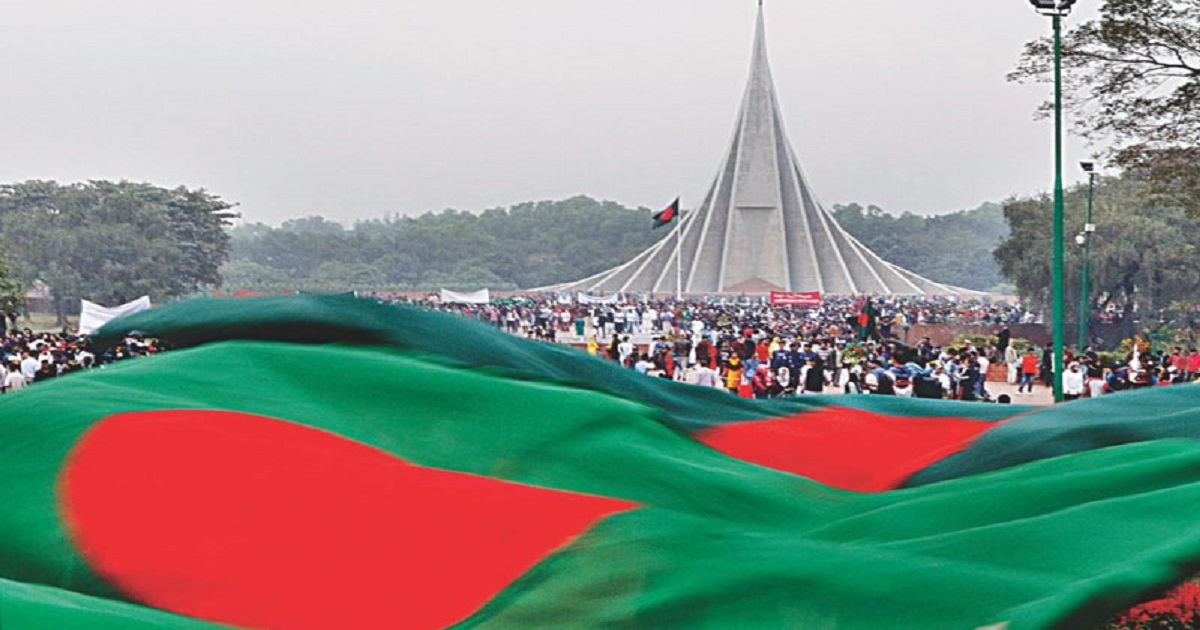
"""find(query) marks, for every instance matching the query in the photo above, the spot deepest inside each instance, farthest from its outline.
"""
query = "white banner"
(475, 297)
(584, 298)
(92, 316)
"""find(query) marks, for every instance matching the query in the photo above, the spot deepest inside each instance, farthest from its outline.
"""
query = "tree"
(954, 249)
(1132, 78)
(12, 290)
(112, 242)
(1143, 253)
(337, 276)
(541, 243)
(528, 245)
(251, 276)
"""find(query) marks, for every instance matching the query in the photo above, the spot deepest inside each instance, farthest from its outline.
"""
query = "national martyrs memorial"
(760, 227)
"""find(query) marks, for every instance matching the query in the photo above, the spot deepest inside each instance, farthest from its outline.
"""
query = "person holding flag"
(866, 321)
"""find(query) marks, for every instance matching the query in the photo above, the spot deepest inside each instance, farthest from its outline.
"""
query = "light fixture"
(1052, 7)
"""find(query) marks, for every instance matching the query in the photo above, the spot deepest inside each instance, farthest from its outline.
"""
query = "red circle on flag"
(259, 522)
(846, 448)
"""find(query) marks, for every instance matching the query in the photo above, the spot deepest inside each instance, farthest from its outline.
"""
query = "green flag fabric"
(325, 462)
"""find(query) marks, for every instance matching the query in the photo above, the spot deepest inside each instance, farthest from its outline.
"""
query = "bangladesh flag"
(327, 462)
(667, 215)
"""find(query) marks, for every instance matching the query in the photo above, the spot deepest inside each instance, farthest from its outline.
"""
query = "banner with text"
(791, 298)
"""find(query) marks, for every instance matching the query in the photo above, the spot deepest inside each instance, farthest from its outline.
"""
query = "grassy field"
(44, 322)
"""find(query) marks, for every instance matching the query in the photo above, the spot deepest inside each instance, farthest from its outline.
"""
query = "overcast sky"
(363, 108)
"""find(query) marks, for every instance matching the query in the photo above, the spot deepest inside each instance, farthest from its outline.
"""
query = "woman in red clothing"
(762, 351)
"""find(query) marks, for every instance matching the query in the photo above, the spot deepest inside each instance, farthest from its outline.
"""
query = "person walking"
(1047, 365)
(813, 378)
(1029, 371)
(681, 349)
(733, 374)
(1013, 360)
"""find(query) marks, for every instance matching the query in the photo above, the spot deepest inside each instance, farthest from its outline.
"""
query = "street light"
(1057, 9)
(1085, 305)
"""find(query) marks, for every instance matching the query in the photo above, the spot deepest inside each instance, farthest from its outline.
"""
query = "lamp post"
(1057, 9)
(1085, 304)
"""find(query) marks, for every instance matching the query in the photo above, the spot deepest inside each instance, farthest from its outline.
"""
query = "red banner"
(788, 298)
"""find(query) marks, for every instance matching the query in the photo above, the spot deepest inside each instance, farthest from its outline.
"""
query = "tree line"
(954, 249)
(549, 242)
(528, 245)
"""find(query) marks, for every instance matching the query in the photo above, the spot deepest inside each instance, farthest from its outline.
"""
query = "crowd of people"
(851, 344)
(29, 357)
(760, 364)
(752, 349)
(549, 319)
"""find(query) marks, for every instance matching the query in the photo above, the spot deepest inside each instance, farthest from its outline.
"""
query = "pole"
(1057, 272)
(1085, 309)
(679, 259)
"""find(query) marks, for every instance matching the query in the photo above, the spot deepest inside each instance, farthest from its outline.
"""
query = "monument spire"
(759, 227)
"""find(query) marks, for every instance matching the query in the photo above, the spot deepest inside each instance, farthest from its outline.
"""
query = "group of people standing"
(27, 357)
(759, 350)
(758, 363)
(1090, 374)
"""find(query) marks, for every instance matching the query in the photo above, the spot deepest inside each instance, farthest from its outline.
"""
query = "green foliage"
(982, 341)
(527, 245)
(1132, 78)
(112, 242)
(1143, 254)
(12, 288)
(246, 274)
(977, 340)
(954, 249)
(544, 243)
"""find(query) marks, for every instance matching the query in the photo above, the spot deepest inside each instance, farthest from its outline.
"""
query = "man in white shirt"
(643, 365)
(85, 358)
(1013, 360)
(984, 364)
(14, 380)
(29, 367)
(625, 349)
(707, 377)
(1073, 382)
(650, 320)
